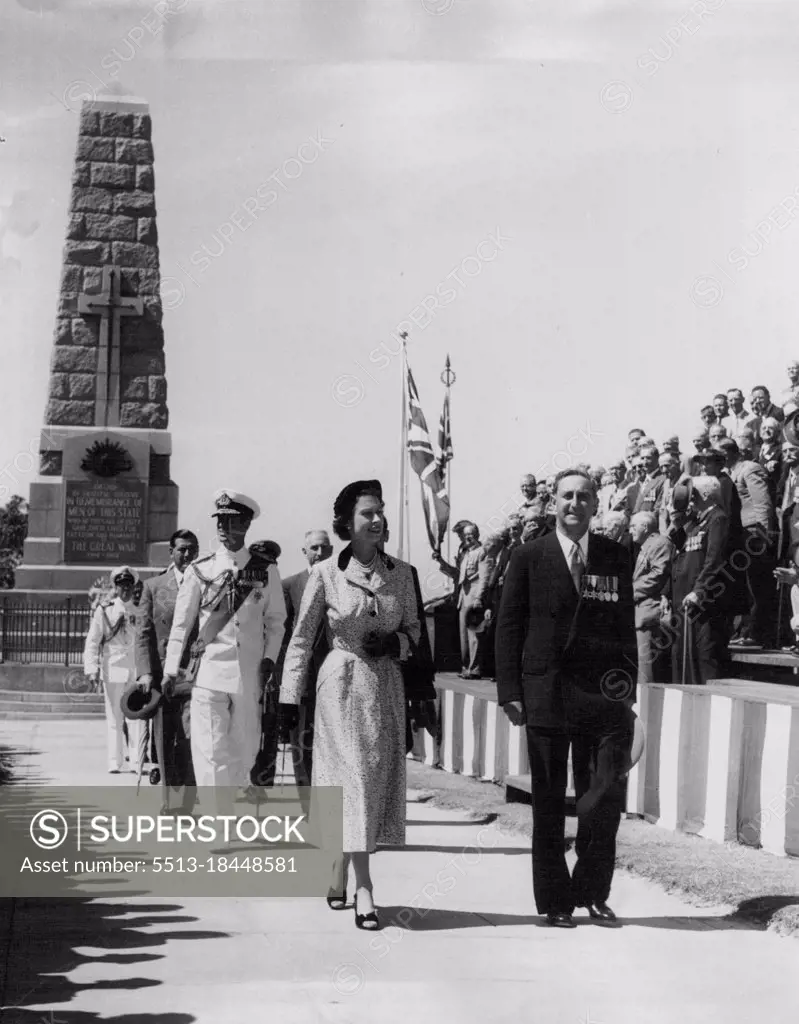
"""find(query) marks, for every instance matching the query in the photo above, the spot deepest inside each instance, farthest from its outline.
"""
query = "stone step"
(48, 708)
(46, 716)
(41, 678)
(51, 697)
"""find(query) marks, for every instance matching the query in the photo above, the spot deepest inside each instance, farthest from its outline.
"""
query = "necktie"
(576, 567)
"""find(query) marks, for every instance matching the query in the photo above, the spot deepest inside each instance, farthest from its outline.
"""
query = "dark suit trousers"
(597, 760)
(706, 648)
(301, 740)
(172, 735)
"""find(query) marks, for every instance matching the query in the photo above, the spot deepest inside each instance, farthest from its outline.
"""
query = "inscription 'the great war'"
(105, 521)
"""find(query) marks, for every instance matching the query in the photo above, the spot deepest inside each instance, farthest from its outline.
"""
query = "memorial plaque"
(105, 522)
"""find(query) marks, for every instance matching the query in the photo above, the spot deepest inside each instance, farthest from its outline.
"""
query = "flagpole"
(407, 515)
(403, 485)
(448, 379)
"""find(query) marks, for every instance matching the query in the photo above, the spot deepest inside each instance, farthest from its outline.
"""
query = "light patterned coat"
(359, 728)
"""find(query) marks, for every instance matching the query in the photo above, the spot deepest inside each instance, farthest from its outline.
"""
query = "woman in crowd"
(367, 601)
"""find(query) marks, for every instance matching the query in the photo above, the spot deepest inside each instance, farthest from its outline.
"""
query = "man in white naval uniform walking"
(239, 600)
(109, 653)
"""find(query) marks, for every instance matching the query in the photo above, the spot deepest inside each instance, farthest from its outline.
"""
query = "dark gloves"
(381, 645)
(267, 682)
(288, 717)
(423, 716)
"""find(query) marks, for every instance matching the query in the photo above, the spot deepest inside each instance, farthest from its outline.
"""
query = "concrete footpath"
(461, 941)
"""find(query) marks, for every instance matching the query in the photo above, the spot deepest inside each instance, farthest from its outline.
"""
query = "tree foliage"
(13, 531)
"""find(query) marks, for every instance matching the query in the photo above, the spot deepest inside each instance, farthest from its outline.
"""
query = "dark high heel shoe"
(366, 922)
(337, 902)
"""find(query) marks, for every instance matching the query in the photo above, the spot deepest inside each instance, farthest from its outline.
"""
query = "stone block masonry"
(111, 223)
(105, 495)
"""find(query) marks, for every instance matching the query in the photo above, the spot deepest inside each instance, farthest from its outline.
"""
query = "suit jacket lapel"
(590, 557)
(558, 570)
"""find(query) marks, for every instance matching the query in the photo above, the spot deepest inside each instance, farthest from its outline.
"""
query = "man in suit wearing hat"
(237, 600)
(566, 659)
(316, 548)
(172, 718)
(109, 654)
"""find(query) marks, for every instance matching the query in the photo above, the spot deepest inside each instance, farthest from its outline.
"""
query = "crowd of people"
(712, 534)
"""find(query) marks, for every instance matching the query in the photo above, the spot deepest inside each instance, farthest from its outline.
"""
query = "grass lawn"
(757, 887)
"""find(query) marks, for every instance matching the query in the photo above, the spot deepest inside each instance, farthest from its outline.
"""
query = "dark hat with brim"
(712, 455)
(681, 496)
(266, 549)
(350, 494)
(137, 704)
(727, 445)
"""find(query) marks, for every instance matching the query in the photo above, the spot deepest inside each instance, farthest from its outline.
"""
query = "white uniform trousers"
(225, 736)
(115, 722)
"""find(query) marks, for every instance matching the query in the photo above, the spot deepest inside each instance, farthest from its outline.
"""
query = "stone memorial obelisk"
(104, 496)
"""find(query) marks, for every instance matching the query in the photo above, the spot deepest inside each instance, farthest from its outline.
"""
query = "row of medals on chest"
(600, 588)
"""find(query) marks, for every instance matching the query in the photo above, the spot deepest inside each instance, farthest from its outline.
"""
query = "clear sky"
(626, 153)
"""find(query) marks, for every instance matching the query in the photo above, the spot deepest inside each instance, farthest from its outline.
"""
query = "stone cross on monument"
(104, 496)
(110, 306)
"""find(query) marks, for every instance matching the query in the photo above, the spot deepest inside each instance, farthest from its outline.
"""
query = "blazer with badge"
(571, 660)
(232, 659)
(154, 622)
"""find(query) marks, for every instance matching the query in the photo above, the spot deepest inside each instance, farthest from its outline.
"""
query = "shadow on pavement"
(432, 920)
(509, 851)
(39, 939)
(486, 819)
(11, 762)
(761, 910)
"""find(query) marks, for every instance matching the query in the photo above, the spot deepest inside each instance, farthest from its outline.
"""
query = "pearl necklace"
(367, 568)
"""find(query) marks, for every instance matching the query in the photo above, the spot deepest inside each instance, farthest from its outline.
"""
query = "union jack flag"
(445, 452)
(435, 503)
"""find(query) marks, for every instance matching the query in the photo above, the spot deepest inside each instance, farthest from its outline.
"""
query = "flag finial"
(448, 377)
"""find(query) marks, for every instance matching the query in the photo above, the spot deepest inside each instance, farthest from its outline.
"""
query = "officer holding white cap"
(238, 598)
(110, 652)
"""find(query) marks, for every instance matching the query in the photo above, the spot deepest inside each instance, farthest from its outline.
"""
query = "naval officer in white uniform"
(241, 609)
(109, 653)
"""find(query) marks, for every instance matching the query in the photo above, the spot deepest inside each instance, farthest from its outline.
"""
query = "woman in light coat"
(366, 602)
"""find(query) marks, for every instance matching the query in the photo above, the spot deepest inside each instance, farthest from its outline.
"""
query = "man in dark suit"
(566, 659)
(171, 724)
(316, 548)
